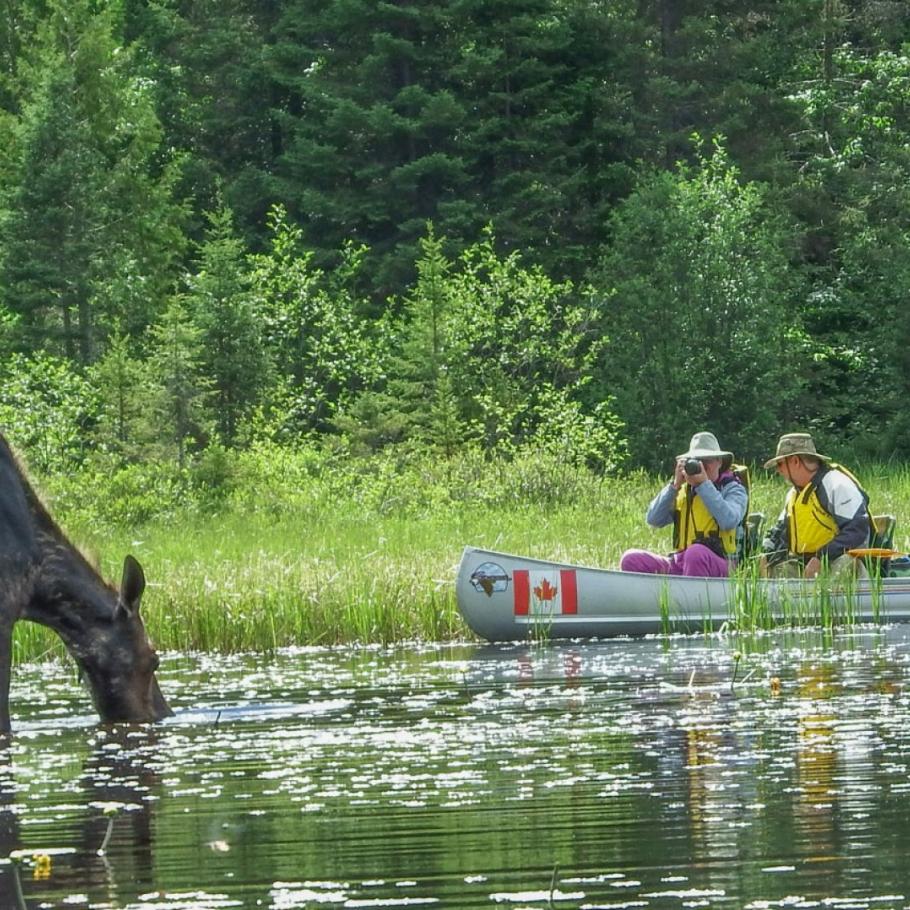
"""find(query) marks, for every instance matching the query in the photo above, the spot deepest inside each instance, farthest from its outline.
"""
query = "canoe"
(504, 597)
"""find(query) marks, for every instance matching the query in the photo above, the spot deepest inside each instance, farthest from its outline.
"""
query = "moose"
(45, 579)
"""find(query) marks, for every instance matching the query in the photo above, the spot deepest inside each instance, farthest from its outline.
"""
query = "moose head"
(103, 631)
(118, 661)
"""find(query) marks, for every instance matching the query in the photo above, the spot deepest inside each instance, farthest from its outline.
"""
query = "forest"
(584, 228)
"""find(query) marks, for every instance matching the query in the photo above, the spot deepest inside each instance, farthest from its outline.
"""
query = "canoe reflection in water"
(570, 663)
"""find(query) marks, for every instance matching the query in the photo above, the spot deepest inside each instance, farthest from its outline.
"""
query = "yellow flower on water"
(42, 866)
(774, 682)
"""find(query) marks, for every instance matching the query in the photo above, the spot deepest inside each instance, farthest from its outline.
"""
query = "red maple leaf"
(545, 591)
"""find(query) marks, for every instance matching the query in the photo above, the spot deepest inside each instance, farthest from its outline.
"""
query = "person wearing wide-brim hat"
(795, 445)
(826, 512)
(706, 502)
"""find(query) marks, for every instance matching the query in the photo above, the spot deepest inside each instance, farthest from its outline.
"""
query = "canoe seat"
(752, 536)
(882, 536)
(882, 531)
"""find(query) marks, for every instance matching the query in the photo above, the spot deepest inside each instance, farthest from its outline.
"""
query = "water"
(610, 775)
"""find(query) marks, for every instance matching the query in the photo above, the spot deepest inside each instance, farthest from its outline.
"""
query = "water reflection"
(625, 773)
(120, 789)
(816, 762)
(94, 845)
(10, 887)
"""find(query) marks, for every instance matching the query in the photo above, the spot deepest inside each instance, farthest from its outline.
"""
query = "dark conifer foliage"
(715, 192)
(369, 128)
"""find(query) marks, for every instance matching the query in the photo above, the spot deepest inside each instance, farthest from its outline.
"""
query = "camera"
(692, 466)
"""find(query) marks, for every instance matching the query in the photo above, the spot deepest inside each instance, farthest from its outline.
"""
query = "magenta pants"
(695, 560)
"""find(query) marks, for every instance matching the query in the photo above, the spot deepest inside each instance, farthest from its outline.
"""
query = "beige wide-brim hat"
(795, 444)
(705, 445)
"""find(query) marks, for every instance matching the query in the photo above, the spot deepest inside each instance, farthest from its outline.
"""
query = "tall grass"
(282, 548)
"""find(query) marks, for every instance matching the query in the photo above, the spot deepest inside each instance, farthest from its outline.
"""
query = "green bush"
(46, 410)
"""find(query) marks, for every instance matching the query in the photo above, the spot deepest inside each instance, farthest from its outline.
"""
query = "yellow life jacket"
(811, 527)
(692, 521)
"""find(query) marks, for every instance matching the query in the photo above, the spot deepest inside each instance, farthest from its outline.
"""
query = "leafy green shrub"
(102, 495)
(46, 410)
(492, 351)
(697, 304)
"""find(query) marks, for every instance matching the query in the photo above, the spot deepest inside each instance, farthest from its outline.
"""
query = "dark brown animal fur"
(45, 579)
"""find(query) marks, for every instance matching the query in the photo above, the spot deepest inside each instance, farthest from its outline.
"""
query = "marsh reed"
(298, 551)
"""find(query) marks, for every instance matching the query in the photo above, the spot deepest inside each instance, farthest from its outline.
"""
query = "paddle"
(874, 552)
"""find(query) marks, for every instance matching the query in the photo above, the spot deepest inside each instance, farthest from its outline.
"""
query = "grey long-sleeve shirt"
(727, 506)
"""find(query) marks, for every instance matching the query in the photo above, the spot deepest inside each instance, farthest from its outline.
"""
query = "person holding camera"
(826, 513)
(706, 502)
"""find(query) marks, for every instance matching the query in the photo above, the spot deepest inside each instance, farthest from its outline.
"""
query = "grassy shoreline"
(311, 560)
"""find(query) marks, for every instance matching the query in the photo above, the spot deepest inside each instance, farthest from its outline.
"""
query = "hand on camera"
(679, 475)
(694, 472)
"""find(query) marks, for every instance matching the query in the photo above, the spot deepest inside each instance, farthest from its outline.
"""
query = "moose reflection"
(44, 578)
(10, 886)
(122, 773)
(107, 852)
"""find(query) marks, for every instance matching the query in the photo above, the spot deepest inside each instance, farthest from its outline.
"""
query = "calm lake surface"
(609, 775)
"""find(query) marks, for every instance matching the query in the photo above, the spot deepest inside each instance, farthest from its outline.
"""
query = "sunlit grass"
(334, 568)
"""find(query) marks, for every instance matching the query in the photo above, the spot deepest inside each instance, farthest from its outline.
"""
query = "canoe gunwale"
(612, 603)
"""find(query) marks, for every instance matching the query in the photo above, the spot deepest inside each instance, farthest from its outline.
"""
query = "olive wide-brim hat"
(795, 444)
(705, 445)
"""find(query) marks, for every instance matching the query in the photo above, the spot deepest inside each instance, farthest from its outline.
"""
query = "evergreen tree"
(87, 206)
(204, 60)
(853, 195)
(489, 351)
(417, 402)
(720, 67)
(421, 378)
(180, 392)
(17, 31)
(320, 349)
(547, 84)
(123, 392)
(369, 128)
(464, 114)
(219, 300)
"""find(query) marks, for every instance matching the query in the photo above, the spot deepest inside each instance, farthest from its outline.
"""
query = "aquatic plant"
(311, 546)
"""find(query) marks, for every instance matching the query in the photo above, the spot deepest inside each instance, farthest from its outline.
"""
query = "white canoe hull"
(504, 597)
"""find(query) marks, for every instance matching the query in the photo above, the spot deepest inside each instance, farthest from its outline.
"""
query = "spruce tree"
(88, 205)
(369, 129)
(205, 65)
(220, 302)
(123, 393)
(179, 397)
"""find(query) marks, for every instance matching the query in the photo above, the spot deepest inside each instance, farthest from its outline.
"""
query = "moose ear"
(131, 586)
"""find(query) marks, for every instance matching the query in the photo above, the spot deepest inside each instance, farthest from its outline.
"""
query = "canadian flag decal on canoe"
(550, 591)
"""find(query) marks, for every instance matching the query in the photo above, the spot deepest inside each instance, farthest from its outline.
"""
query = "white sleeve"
(845, 500)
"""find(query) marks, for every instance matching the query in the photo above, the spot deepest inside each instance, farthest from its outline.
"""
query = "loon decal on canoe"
(505, 597)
